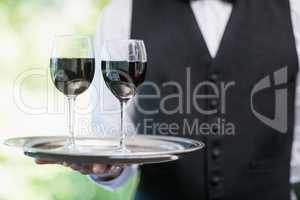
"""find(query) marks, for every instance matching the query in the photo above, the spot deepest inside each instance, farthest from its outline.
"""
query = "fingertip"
(75, 167)
(99, 168)
(84, 172)
(38, 162)
(43, 162)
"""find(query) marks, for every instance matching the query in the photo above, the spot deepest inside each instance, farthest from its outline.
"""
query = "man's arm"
(295, 164)
(115, 23)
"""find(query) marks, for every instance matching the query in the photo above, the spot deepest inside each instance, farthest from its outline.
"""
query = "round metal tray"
(142, 149)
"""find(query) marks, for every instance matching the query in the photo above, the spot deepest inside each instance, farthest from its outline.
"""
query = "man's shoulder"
(118, 4)
(295, 6)
(117, 9)
(115, 20)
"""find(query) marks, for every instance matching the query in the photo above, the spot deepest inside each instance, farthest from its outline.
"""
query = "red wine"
(123, 77)
(72, 76)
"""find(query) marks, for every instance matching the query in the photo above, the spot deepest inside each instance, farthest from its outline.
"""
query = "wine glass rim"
(73, 35)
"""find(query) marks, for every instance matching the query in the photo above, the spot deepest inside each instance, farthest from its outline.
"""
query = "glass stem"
(123, 134)
(71, 120)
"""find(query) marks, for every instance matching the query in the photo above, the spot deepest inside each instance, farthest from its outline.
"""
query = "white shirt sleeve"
(112, 185)
(295, 163)
(114, 24)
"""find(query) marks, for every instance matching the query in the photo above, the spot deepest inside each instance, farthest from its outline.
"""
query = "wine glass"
(72, 68)
(123, 64)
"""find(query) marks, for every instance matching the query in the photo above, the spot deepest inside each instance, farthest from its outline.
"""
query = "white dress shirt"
(212, 17)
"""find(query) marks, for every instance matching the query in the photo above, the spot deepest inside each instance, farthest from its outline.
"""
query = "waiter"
(234, 45)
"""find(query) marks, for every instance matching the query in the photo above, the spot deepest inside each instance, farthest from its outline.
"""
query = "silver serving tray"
(142, 149)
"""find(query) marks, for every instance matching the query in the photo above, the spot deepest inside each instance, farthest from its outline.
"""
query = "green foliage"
(27, 28)
(25, 180)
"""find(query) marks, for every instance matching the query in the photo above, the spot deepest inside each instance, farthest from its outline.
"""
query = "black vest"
(253, 161)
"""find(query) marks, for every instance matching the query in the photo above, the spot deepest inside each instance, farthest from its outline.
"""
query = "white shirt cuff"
(119, 181)
(295, 162)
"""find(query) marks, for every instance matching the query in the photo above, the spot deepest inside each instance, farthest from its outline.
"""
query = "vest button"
(216, 181)
(214, 103)
(215, 129)
(214, 77)
(216, 153)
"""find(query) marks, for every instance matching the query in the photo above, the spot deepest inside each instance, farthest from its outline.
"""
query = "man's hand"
(107, 172)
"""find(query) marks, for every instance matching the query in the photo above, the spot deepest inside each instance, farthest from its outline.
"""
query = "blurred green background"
(27, 29)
